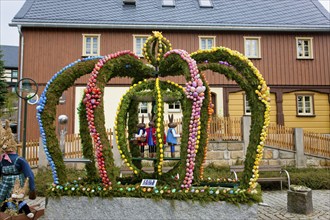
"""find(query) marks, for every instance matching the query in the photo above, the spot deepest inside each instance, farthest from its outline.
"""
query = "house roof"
(268, 15)
(10, 56)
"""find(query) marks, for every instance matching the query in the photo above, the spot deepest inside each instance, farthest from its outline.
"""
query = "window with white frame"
(252, 47)
(174, 107)
(138, 43)
(91, 45)
(304, 105)
(168, 3)
(247, 108)
(143, 108)
(206, 42)
(304, 47)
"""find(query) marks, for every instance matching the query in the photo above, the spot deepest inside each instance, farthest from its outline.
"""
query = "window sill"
(305, 58)
(174, 110)
(307, 116)
(254, 58)
(82, 56)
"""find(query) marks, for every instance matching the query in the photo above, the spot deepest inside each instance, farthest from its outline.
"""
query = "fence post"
(42, 162)
(299, 145)
(246, 125)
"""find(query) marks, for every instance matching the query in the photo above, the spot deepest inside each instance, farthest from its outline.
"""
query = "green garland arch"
(222, 60)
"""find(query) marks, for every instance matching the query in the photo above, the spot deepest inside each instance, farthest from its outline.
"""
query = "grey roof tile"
(10, 56)
(231, 13)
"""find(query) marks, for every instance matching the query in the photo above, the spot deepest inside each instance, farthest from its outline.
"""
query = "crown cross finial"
(155, 47)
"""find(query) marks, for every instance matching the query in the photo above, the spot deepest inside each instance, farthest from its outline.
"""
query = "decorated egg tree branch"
(239, 68)
(46, 110)
(87, 144)
(95, 114)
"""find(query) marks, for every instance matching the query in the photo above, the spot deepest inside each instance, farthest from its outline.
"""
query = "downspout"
(19, 123)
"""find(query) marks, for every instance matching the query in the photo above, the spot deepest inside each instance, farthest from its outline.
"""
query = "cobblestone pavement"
(274, 206)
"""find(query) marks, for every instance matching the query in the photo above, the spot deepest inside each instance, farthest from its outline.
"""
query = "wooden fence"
(317, 144)
(280, 136)
(31, 152)
(221, 129)
(225, 129)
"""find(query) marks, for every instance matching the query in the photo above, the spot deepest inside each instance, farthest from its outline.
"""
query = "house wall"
(48, 50)
(319, 123)
(236, 105)
(113, 95)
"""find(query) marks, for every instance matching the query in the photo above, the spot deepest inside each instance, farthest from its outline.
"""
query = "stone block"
(325, 163)
(263, 162)
(235, 146)
(268, 154)
(214, 155)
(236, 154)
(287, 155)
(288, 162)
(300, 202)
(274, 162)
(220, 163)
(220, 147)
(276, 154)
(312, 162)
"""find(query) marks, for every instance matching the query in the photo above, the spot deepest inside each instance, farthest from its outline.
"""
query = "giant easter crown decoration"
(147, 84)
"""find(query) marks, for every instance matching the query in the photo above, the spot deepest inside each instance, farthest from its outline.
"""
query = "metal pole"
(24, 128)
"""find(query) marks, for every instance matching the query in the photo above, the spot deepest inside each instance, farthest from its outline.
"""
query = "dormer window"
(205, 3)
(168, 3)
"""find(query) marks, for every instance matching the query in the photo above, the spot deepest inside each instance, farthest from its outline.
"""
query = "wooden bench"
(265, 168)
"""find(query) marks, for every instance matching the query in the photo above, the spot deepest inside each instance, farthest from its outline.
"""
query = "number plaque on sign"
(148, 183)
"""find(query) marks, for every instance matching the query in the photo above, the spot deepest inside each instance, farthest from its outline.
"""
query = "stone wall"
(233, 153)
(140, 208)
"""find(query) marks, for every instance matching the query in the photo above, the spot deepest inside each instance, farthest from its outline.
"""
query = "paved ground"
(274, 206)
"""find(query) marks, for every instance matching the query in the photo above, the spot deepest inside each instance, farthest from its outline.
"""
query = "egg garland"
(209, 112)
(91, 101)
(262, 91)
(159, 127)
(194, 91)
(40, 109)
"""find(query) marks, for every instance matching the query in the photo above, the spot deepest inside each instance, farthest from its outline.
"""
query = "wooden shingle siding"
(278, 63)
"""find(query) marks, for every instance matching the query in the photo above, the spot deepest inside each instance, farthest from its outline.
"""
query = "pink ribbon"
(5, 156)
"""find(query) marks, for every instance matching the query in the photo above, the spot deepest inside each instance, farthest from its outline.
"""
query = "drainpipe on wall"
(19, 122)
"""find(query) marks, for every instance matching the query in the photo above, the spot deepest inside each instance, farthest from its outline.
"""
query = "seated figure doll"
(172, 136)
(16, 204)
(12, 166)
(141, 136)
(151, 136)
